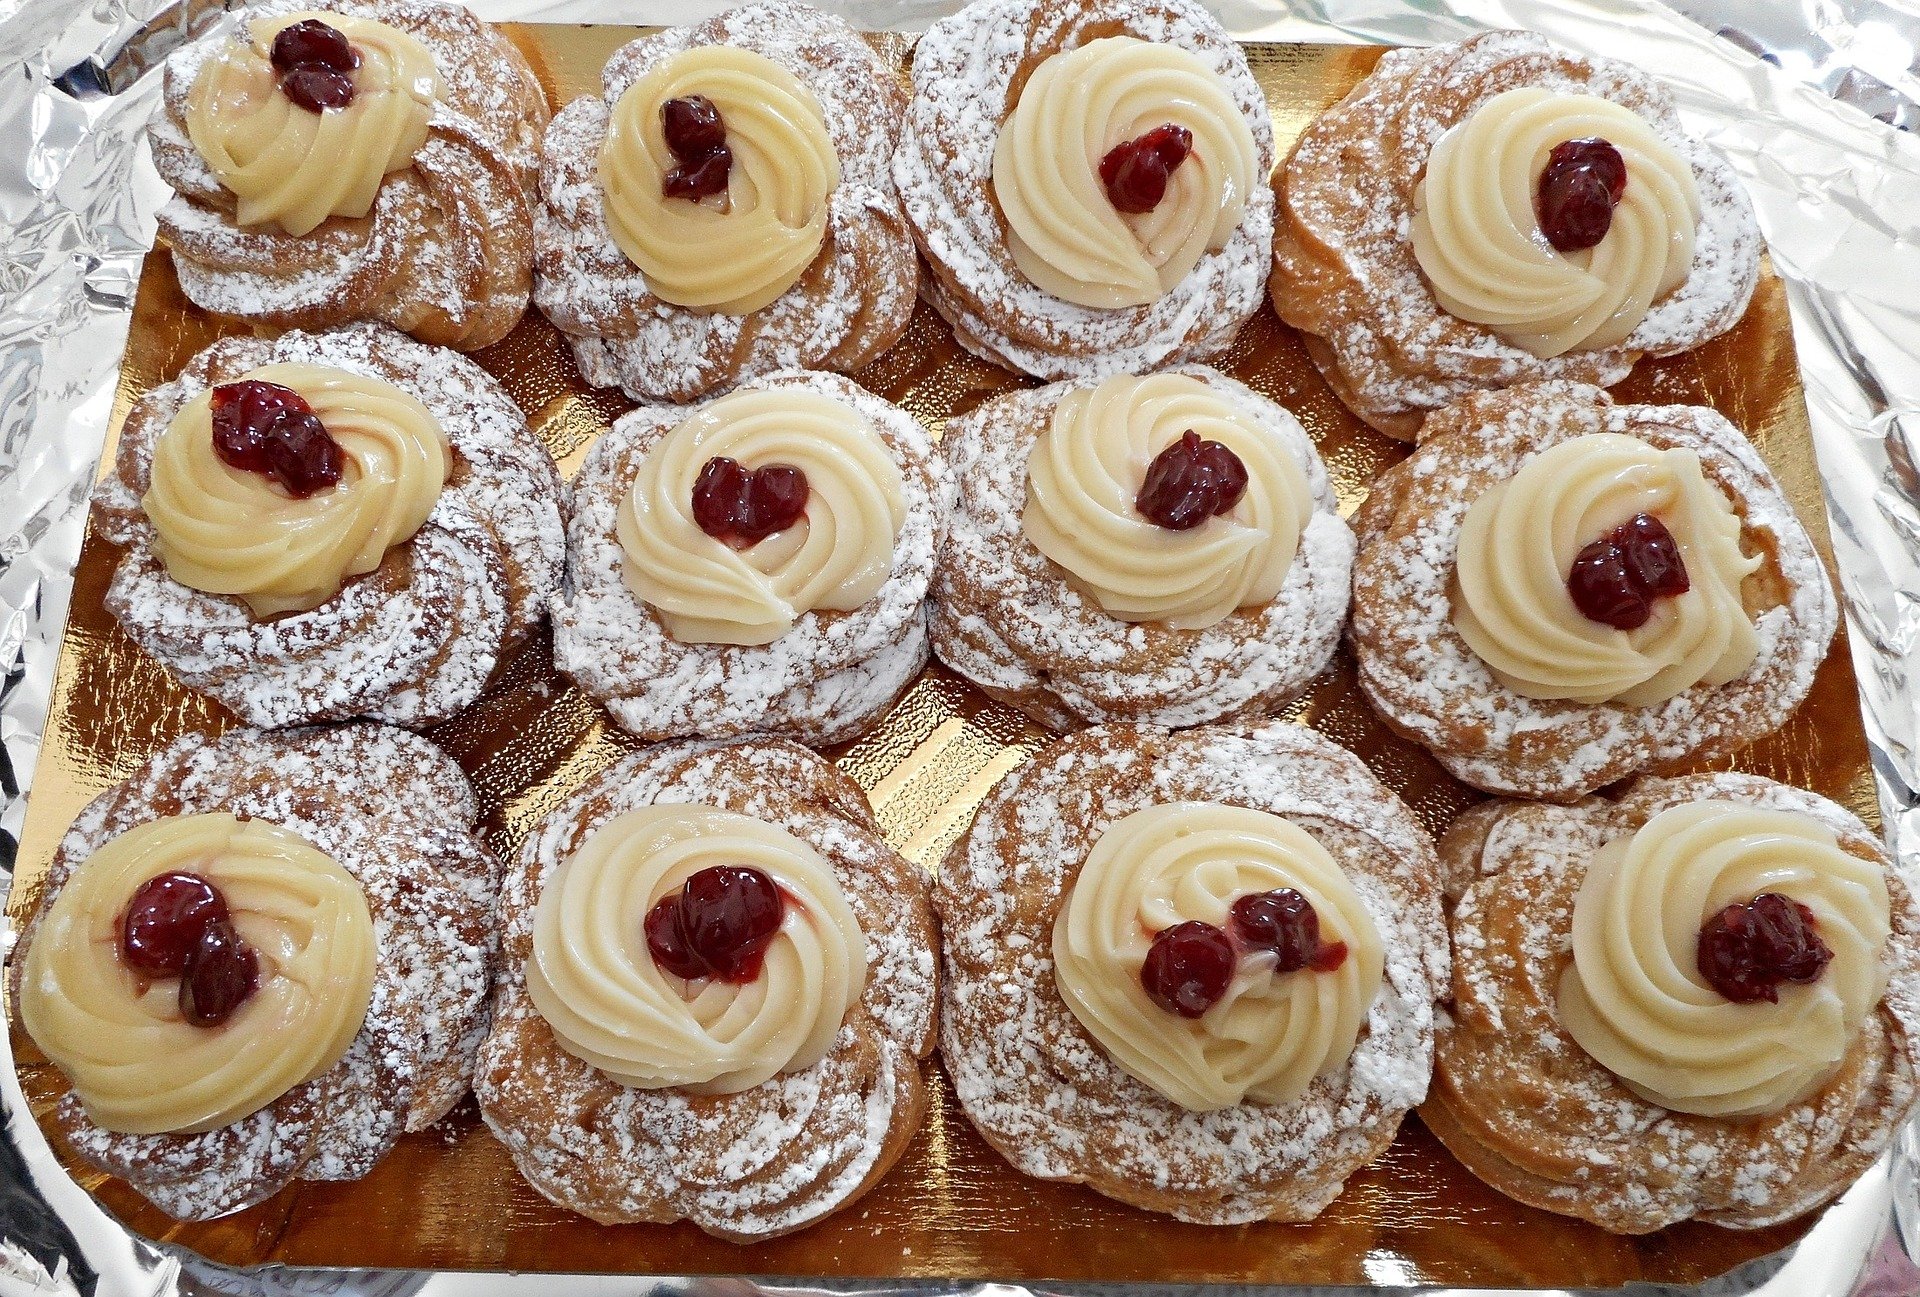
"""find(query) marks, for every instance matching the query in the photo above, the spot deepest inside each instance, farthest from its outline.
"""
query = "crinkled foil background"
(1839, 197)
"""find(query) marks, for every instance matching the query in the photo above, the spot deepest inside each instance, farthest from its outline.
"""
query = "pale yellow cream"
(835, 558)
(593, 980)
(232, 531)
(135, 1063)
(1085, 471)
(1634, 998)
(1271, 1035)
(1477, 236)
(736, 251)
(1518, 544)
(293, 167)
(1063, 231)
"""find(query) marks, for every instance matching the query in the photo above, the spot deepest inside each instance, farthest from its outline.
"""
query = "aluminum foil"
(1787, 90)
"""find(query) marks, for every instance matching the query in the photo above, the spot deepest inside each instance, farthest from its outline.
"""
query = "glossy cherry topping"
(1189, 482)
(743, 506)
(697, 134)
(1615, 579)
(1286, 923)
(221, 972)
(719, 924)
(1136, 172)
(268, 429)
(1746, 951)
(1188, 968)
(315, 63)
(164, 921)
(1582, 183)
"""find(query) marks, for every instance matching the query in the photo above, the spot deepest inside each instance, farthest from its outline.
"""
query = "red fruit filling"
(697, 135)
(1188, 968)
(1582, 183)
(164, 921)
(221, 972)
(719, 924)
(743, 506)
(1286, 923)
(1190, 965)
(315, 63)
(1135, 173)
(1615, 579)
(1746, 951)
(268, 429)
(1189, 482)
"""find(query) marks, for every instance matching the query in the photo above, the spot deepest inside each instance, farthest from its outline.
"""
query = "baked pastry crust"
(1529, 1112)
(765, 1160)
(967, 73)
(413, 641)
(447, 252)
(394, 811)
(850, 305)
(1041, 1089)
(1003, 615)
(1429, 687)
(822, 681)
(1344, 271)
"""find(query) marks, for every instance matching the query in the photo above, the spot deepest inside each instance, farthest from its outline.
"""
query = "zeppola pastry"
(1555, 592)
(1087, 182)
(1701, 1000)
(337, 160)
(1195, 971)
(1494, 212)
(262, 959)
(1164, 548)
(334, 524)
(718, 983)
(756, 563)
(724, 208)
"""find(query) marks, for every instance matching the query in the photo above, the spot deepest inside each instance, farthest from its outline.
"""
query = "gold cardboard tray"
(952, 1209)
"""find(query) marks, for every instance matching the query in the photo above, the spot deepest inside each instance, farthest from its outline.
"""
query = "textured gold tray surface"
(951, 1209)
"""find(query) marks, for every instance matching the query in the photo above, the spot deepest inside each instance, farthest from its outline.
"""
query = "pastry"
(1495, 212)
(755, 563)
(1164, 549)
(723, 208)
(261, 959)
(1700, 1000)
(327, 525)
(1085, 181)
(1195, 971)
(1555, 592)
(337, 160)
(717, 987)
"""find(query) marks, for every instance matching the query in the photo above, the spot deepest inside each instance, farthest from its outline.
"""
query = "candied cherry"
(164, 920)
(1136, 171)
(697, 134)
(315, 64)
(1285, 922)
(221, 972)
(1189, 482)
(268, 429)
(1615, 579)
(1188, 968)
(743, 506)
(1746, 951)
(719, 924)
(1580, 186)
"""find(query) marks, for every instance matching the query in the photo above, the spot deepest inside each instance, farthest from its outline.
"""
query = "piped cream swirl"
(1085, 471)
(593, 980)
(1633, 996)
(293, 167)
(835, 558)
(1062, 229)
(1476, 230)
(735, 252)
(1518, 543)
(1271, 1035)
(135, 1063)
(231, 531)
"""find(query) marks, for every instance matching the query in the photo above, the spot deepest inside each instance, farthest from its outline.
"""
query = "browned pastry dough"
(1430, 687)
(766, 1160)
(1536, 1117)
(850, 305)
(1045, 1093)
(411, 642)
(396, 813)
(1344, 271)
(446, 253)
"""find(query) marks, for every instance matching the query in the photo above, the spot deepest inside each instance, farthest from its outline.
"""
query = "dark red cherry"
(728, 917)
(743, 506)
(667, 944)
(164, 920)
(316, 89)
(1282, 921)
(269, 429)
(776, 501)
(221, 972)
(1189, 482)
(312, 43)
(699, 179)
(1599, 155)
(1188, 968)
(692, 127)
(1652, 556)
(1135, 172)
(302, 455)
(1582, 183)
(1615, 579)
(1746, 951)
